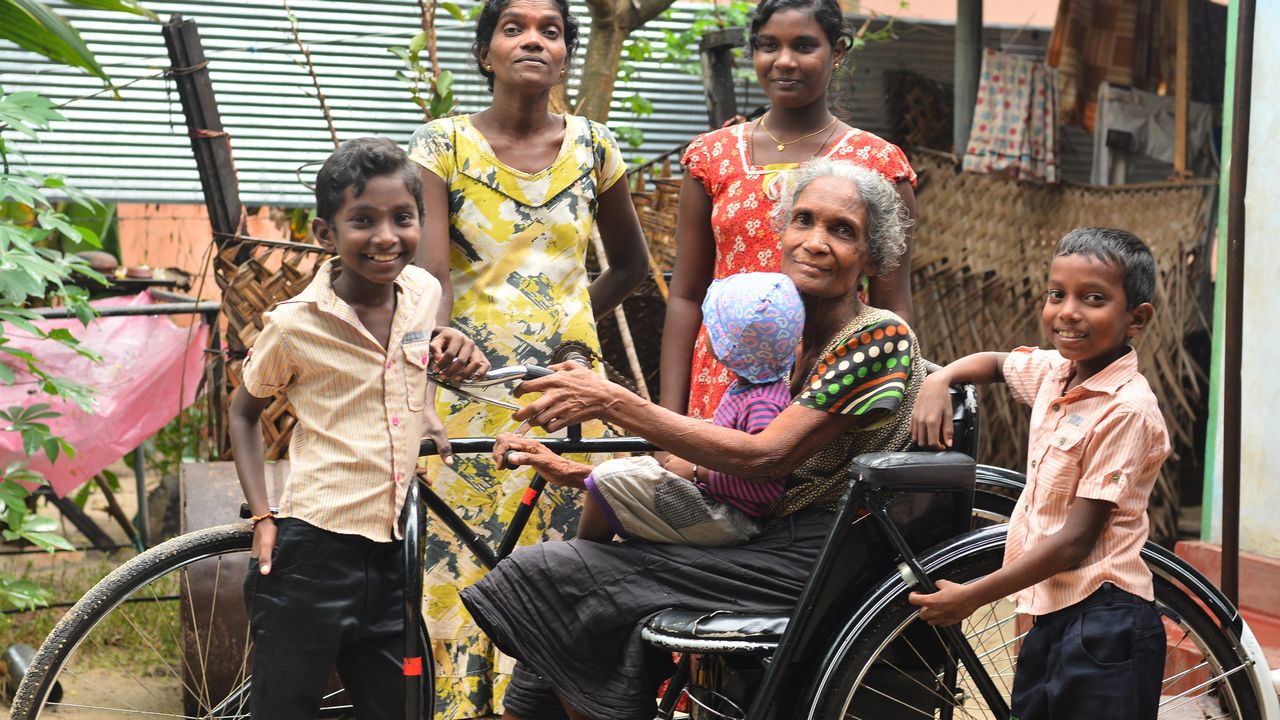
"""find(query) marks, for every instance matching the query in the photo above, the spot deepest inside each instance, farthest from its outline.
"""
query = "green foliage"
(180, 441)
(32, 273)
(430, 87)
(32, 25)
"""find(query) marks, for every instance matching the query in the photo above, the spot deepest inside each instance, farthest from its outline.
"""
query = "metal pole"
(968, 67)
(1234, 325)
(144, 510)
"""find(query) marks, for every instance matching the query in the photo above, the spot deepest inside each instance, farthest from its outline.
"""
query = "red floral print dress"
(742, 200)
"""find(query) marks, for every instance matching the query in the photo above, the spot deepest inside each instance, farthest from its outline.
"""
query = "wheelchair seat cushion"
(916, 471)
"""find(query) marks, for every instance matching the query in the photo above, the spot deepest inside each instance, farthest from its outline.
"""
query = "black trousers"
(1101, 658)
(330, 600)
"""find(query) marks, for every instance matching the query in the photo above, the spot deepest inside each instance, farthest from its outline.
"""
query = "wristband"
(255, 519)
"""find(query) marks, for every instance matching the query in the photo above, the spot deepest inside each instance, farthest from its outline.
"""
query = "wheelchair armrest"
(916, 471)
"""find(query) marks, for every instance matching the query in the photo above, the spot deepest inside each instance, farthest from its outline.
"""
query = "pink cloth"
(149, 371)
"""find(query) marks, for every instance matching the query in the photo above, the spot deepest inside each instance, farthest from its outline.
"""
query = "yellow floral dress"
(517, 257)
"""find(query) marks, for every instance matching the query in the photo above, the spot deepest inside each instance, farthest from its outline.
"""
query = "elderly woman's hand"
(520, 450)
(572, 395)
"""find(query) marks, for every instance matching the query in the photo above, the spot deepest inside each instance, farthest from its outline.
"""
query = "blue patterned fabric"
(754, 322)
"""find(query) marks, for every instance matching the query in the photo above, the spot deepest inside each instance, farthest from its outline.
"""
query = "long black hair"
(827, 13)
(487, 24)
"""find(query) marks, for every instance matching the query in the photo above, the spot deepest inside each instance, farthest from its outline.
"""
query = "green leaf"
(49, 541)
(129, 6)
(32, 25)
(11, 493)
(444, 83)
(23, 594)
(454, 10)
(6, 374)
(27, 112)
(418, 42)
(38, 523)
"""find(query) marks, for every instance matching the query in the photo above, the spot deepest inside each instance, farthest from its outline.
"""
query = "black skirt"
(571, 612)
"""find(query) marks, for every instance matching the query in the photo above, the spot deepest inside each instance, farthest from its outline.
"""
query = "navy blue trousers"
(1099, 659)
(331, 600)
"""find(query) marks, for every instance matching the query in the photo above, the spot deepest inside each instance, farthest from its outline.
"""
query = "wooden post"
(716, 48)
(968, 68)
(1182, 89)
(209, 141)
(1233, 333)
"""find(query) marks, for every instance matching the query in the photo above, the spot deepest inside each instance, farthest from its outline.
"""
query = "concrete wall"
(1260, 401)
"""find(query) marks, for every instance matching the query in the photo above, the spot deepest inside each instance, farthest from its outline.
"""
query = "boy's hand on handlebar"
(950, 605)
(931, 425)
(571, 395)
(519, 450)
(264, 541)
(457, 357)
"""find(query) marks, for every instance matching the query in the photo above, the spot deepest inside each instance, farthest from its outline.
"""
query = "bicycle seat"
(916, 471)
(716, 631)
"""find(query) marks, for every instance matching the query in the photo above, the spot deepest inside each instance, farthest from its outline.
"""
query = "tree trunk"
(612, 21)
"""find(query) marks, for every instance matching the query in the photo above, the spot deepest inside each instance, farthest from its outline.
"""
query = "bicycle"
(916, 508)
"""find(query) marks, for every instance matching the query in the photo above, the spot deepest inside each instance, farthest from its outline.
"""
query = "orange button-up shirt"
(1104, 439)
(359, 405)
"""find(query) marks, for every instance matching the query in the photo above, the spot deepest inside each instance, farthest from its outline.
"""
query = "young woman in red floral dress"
(733, 177)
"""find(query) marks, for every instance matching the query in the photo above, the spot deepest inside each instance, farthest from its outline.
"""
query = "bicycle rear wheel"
(891, 665)
(164, 635)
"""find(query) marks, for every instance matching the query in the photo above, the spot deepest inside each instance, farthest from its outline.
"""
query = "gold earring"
(564, 72)
(488, 68)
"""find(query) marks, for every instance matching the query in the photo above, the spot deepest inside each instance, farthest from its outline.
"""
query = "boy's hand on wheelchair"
(457, 357)
(950, 605)
(264, 541)
(434, 430)
(512, 449)
(931, 425)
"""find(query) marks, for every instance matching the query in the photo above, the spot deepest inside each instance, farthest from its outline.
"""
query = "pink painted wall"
(1031, 13)
(163, 236)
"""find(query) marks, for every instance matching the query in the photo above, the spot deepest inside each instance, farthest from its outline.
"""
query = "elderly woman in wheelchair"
(570, 612)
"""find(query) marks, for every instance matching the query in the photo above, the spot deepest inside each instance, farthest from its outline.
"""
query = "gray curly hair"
(886, 218)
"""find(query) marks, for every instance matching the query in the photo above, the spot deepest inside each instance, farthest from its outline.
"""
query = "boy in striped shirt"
(351, 352)
(1096, 649)
(754, 321)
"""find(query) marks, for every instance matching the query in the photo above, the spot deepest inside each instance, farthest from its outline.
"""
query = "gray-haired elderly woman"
(571, 612)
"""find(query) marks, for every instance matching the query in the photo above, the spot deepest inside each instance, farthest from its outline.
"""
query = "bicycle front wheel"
(892, 665)
(164, 635)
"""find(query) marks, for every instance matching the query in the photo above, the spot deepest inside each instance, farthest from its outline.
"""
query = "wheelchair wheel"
(164, 635)
(891, 665)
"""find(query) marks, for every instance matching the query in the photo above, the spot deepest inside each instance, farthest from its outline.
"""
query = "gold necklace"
(783, 145)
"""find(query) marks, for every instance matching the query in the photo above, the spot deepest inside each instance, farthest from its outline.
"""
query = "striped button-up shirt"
(359, 405)
(1104, 439)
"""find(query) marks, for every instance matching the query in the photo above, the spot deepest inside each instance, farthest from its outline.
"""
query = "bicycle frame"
(421, 495)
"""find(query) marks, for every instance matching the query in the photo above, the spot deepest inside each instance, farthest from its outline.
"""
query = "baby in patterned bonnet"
(754, 322)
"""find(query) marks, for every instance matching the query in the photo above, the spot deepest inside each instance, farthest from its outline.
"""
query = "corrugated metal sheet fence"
(135, 149)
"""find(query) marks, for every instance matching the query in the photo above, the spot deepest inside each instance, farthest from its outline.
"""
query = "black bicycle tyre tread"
(871, 637)
(107, 594)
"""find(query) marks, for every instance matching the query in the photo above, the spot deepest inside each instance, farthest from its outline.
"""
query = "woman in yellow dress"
(512, 194)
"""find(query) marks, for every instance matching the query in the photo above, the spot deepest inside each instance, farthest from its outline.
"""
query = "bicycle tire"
(103, 671)
(867, 675)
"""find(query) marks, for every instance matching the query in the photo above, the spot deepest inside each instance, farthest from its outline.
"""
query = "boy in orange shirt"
(1097, 441)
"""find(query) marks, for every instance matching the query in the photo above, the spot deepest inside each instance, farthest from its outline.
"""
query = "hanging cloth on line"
(1014, 130)
(148, 372)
